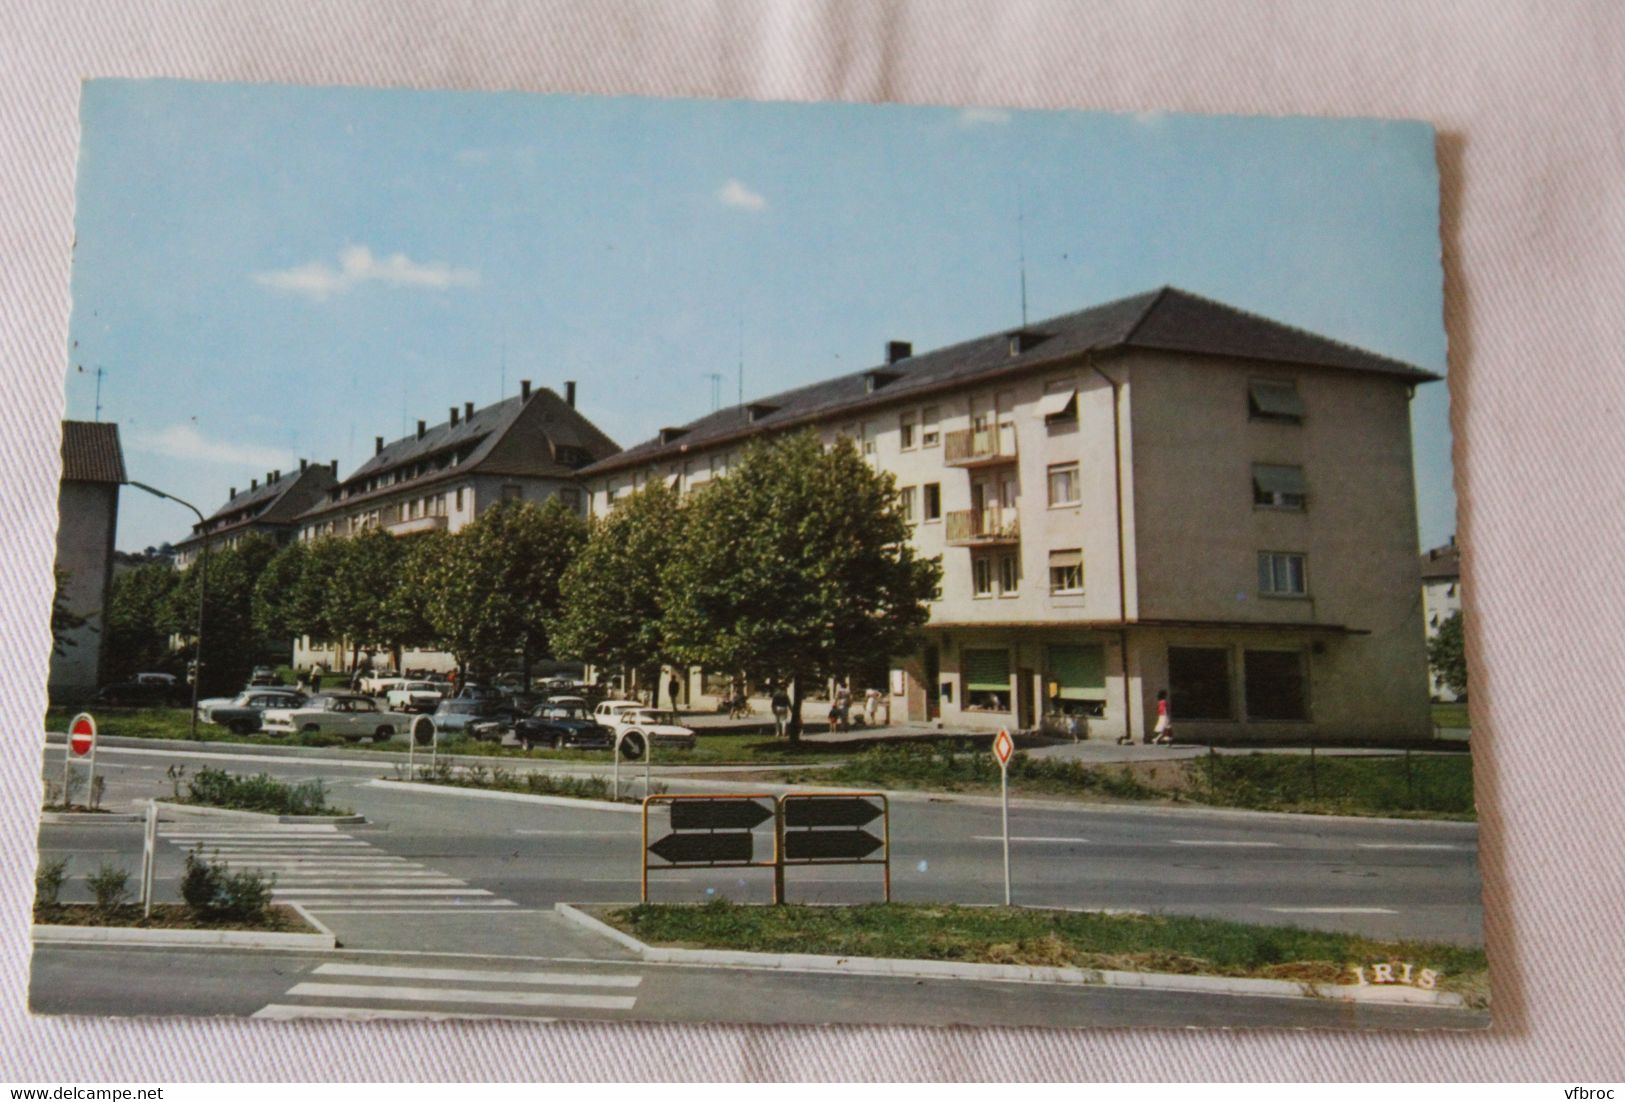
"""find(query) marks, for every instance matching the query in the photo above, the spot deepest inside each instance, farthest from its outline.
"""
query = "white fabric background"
(1529, 99)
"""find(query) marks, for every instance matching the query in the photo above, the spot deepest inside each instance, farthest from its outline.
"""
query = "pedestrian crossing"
(358, 991)
(327, 871)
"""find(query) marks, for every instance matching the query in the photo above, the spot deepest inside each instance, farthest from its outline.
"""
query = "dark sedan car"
(242, 713)
(476, 718)
(562, 724)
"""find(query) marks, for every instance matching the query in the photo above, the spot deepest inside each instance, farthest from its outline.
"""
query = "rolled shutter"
(986, 671)
(1078, 672)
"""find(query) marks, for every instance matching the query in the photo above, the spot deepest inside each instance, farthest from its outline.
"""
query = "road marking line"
(582, 833)
(557, 979)
(283, 844)
(284, 1012)
(1409, 845)
(471, 908)
(1332, 910)
(1027, 838)
(302, 892)
(288, 883)
(460, 995)
(1214, 842)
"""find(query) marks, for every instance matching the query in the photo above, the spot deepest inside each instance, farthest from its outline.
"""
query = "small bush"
(216, 894)
(261, 792)
(48, 881)
(110, 884)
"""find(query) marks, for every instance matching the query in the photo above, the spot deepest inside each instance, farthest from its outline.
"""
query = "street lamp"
(202, 580)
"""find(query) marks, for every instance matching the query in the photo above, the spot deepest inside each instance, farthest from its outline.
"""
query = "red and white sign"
(82, 734)
(1003, 747)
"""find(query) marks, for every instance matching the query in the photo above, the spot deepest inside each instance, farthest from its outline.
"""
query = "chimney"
(253, 484)
(453, 416)
(898, 350)
(302, 465)
(524, 390)
(335, 466)
(377, 445)
(570, 394)
(422, 428)
(468, 411)
(234, 491)
(276, 476)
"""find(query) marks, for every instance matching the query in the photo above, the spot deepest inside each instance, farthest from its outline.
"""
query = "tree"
(64, 621)
(275, 610)
(404, 620)
(365, 571)
(136, 633)
(613, 599)
(495, 586)
(796, 564)
(231, 645)
(1447, 654)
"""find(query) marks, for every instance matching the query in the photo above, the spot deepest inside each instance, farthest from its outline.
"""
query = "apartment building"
(1157, 493)
(270, 509)
(87, 518)
(1441, 599)
(526, 448)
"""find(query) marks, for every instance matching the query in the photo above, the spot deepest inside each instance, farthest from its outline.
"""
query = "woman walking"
(1165, 722)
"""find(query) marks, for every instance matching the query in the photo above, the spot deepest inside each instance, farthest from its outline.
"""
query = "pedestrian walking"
(843, 705)
(781, 712)
(1164, 729)
(834, 718)
(871, 706)
(671, 691)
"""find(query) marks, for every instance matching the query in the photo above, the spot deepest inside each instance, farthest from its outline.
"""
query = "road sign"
(423, 731)
(705, 847)
(829, 811)
(718, 814)
(82, 734)
(812, 845)
(1003, 747)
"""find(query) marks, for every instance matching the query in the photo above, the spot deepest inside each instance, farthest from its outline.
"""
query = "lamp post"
(202, 581)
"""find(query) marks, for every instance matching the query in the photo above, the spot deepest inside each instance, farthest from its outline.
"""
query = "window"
(1199, 683)
(929, 436)
(1275, 685)
(933, 501)
(981, 571)
(1063, 484)
(1274, 400)
(987, 679)
(1066, 571)
(1076, 674)
(512, 492)
(905, 430)
(905, 502)
(571, 498)
(459, 499)
(1059, 405)
(1282, 574)
(1277, 487)
(1009, 575)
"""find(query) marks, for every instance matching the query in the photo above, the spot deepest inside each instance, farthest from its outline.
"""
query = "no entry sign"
(82, 735)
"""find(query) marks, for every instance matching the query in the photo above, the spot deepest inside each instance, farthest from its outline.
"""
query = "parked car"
(655, 725)
(137, 694)
(349, 715)
(564, 722)
(487, 718)
(414, 696)
(375, 682)
(479, 692)
(264, 675)
(607, 710)
(244, 713)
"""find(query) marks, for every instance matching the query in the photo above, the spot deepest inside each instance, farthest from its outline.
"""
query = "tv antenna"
(101, 373)
(1021, 249)
(716, 389)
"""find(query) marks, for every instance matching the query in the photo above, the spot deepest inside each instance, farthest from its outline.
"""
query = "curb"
(1010, 973)
(232, 813)
(236, 939)
(492, 794)
(86, 818)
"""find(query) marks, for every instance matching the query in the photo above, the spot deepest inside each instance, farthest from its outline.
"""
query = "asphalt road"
(444, 873)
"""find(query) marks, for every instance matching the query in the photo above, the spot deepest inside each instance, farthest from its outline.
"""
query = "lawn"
(1451, 715)
(1056, 938)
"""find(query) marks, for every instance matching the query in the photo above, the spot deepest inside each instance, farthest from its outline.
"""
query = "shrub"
(261, 792)
(214, 893)
(48, 880)
(110, 884)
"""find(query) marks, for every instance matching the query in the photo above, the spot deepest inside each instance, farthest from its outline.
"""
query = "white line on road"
(461, 995)
(1215, 842)
(1410, 845)
(1029, 838)
(370, 905)
(629, 833)
(471, 908)
(473, 975)
(1332, 910)
(301, 893)
(289, 883)
(283, 1012)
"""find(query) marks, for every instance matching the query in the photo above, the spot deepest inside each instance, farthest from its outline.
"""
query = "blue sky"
(270, 272)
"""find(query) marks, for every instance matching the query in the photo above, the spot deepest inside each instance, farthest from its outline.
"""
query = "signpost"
(817, 828)
(425, 732)
(1003, 747)
(713, 831)
(149, 857)
(631, 745)
(81, 744)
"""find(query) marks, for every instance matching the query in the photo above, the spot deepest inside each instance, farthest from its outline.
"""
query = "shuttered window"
(1270, 400)
(985, 671)
(1078, 672)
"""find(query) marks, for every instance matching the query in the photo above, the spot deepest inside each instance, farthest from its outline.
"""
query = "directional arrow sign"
(811, 844)
(718, 814)
(811, 811)
(692, 849)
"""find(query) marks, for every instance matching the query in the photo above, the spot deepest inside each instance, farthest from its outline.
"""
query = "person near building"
(871, 706)
(671, 691)
(1164, 730)
(781, 711)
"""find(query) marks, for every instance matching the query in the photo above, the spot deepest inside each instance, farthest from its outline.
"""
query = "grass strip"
(498, 779)
(165, 916)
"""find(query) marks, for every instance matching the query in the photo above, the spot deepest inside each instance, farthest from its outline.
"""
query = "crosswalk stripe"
(380, 906)
(1216, 842)
(461, 995)
(473, 907)
(1332, 910)
(303, 892)
(1028, 838)
(543, 979)
(287, 1012)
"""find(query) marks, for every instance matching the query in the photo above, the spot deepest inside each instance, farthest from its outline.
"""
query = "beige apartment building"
(270, 509)
(1162, 493)
(1441, 599)
(87, 519)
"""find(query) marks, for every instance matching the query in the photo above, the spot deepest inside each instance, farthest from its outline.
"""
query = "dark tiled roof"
(1441, 562)
(1167, 319)
(91, 452)
(276, 501)
(273, 490)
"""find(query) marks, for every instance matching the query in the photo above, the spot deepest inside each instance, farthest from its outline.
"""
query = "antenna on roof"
(502, 385)
(101, 373)
(1021, 247)
(716, 389)
(741, 361)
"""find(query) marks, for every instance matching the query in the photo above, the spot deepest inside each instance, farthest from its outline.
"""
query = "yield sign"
(1003, 747)
(82, 734)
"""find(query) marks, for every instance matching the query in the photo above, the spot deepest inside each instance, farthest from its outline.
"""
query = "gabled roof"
(277, 500)
(1441, 563)
(1167, 319)
(91, 452)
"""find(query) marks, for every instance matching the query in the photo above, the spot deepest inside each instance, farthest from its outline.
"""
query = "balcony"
(416, 524)
(983, 528)
(979, 447)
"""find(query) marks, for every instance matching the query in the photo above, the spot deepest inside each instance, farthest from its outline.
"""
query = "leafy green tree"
(137, 634)
(1447, 654)
(275, 609)
(613, 599)
(365, 571)
(496, 586)
(796, 564)
(64, 621)
(403, 618)
(231, 645)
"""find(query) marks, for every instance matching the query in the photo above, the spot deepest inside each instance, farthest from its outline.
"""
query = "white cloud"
(983, 116)
(187, 443)
(357, 265)
(736, 194)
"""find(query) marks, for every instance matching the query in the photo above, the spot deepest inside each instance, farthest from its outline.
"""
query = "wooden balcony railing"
(971, 527)
(977, 447)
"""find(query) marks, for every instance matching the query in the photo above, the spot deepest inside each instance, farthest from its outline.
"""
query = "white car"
(657, 726)
(349, 715)
(413, 696)
(607, 710)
